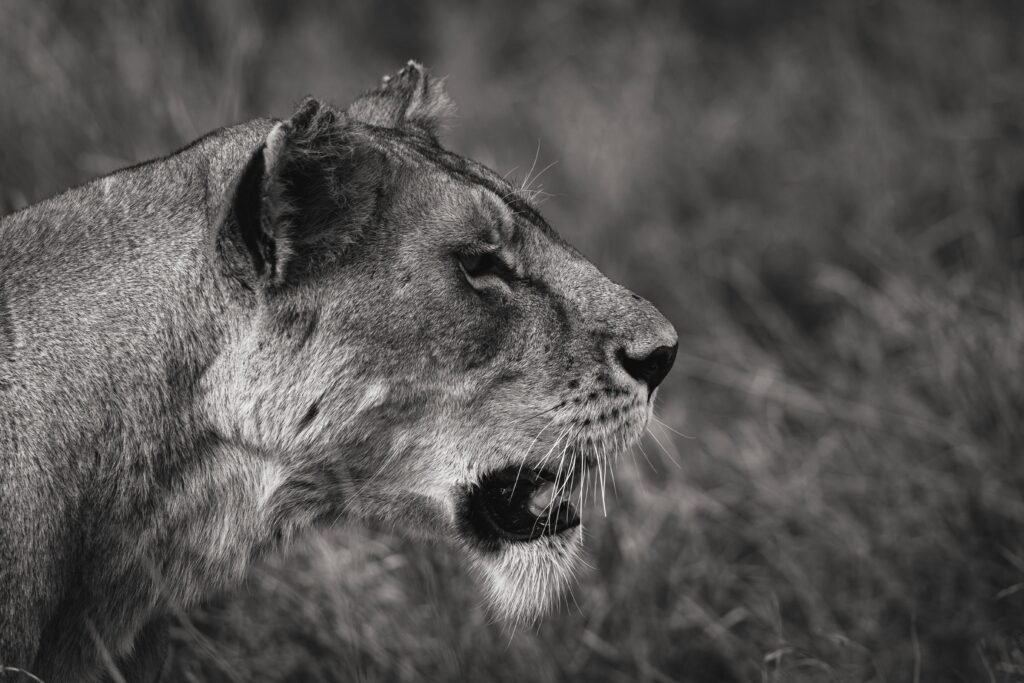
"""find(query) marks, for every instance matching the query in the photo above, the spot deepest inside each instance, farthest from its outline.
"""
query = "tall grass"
(828, 201)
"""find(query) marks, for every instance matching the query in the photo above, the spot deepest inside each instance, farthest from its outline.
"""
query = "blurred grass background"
(828, 201)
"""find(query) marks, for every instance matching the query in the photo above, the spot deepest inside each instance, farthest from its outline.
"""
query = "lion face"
(432, 354)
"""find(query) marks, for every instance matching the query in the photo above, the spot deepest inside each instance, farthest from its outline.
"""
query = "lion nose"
(650, 368)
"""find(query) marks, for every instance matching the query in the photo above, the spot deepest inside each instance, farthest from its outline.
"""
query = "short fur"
(203, 355)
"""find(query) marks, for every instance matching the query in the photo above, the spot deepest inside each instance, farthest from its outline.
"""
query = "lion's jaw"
(509, 483)
(553, 489)
(548, 481)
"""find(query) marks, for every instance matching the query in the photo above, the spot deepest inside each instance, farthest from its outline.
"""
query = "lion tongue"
(543, 497)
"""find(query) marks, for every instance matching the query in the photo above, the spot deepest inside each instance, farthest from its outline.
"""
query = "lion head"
(417, 346)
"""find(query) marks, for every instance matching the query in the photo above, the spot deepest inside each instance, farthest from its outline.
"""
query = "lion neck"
(113, 288)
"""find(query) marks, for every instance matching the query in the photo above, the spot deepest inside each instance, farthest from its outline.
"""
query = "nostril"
(652, 368)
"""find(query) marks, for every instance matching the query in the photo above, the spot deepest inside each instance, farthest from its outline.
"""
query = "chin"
(526, 580)
(523, 536)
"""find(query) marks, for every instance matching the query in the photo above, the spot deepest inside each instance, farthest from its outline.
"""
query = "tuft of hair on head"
(411, 99)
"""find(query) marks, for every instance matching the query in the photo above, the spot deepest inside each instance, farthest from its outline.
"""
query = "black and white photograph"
(588, 341)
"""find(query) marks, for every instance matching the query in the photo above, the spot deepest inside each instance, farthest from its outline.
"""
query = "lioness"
(284, 324)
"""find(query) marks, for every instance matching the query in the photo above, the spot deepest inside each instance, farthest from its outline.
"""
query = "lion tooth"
(541, 499)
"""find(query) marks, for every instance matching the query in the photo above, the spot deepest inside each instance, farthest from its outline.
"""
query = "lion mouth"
(513, 505)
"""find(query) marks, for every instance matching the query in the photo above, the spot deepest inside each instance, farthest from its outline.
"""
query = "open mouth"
(518, 505)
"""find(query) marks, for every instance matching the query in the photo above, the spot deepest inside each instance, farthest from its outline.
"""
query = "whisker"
(611, 471)
(525, 187)
(536, 415)
(583, 488)
(590, 478)
(555, 489)
(536, 155)
(533, 443)
(673, 447)
(607, 465)
(671, 429)
(561, 434)
(539, 192)
(565, 484)
(573, 595)
(665, 450)
(558, 490)
(644, 453)
(558, 475)
(528, 450)
(636, 469)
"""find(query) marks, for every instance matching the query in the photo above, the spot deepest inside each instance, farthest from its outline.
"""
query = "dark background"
(827, 199)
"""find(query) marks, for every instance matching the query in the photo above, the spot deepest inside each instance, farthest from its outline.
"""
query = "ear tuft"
(307, 112)
(311, 119)
(412, 98)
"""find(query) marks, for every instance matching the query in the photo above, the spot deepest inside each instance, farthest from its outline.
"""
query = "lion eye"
(477, 266)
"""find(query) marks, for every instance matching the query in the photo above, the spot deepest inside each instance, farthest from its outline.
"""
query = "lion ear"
(303, 195)
(412, 98)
